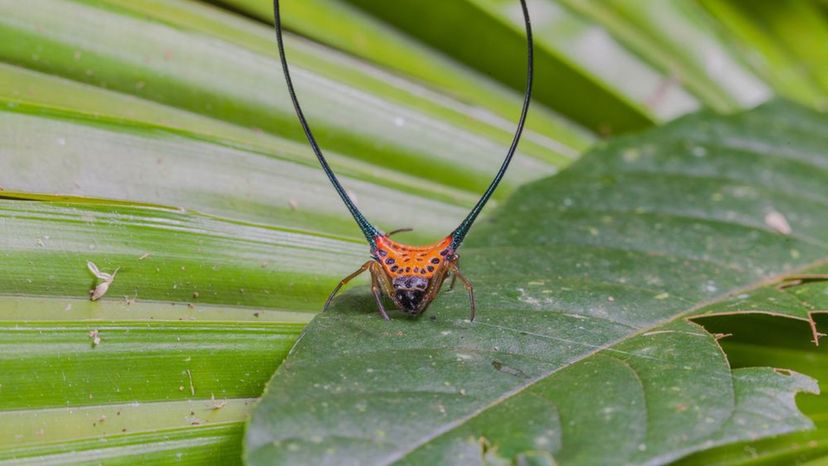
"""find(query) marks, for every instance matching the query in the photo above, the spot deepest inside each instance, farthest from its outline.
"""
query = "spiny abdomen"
(399, 259)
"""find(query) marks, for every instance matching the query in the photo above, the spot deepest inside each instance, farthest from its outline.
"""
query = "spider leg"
(375, 288)
(398, 230)
(456, 261)
(456, 271)
(345, 281)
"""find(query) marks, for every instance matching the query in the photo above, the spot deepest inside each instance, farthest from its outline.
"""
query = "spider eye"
(410, 282)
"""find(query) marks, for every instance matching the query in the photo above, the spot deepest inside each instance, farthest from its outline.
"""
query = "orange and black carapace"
(411, 276)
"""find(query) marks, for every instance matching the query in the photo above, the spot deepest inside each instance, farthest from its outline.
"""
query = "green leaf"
(582, 352)
(168, 363)
(364, 113)
(345, 27)
(679, 40)
(201, 432)
(778, 38)
(157, 164)
(209, 294)
(585, 42)
(764, 337)
(166, 255)
(494, 43)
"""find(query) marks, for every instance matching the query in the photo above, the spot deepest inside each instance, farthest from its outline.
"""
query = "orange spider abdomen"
(399, 259)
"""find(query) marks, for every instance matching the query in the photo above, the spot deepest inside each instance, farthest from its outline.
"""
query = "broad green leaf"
(165, 366)
(765, 337)
(130, 161)
(166, 255)
(552, 139)
(583, 351)
(587, 44)
(198, 433)
(493, 42)
(211, 293)
(680, 40)
(345, 27)
(179, 65)
(780, 39)
(206, 302)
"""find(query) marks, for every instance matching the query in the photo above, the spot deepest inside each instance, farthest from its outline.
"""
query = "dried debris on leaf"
(778, 222)
(190, 377)
(96, 337)
(102, 287)
(216, 404)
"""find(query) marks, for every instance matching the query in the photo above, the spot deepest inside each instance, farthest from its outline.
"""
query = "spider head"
(409, 293)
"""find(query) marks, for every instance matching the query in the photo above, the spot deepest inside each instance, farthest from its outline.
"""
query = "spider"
(411, 276)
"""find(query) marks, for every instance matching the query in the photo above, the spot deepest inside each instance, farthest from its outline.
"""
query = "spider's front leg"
(374, 268)
(345, 281)
(456, 261)
(455, 271)
(375, 288)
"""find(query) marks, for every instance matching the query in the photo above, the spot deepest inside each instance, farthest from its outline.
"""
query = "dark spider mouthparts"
(410, 291)
(410, 276)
